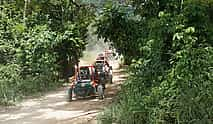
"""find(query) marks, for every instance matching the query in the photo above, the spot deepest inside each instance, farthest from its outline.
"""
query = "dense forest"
(168, 45)
(40, 41)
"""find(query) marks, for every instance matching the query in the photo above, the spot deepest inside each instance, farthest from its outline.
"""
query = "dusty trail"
(53, 108)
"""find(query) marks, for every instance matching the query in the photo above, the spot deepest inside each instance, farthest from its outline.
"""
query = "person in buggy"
(86, 83)
(104, 70)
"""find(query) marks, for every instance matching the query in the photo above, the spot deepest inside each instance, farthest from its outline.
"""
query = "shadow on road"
(53, 108)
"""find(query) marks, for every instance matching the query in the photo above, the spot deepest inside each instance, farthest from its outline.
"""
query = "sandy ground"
(54, 109)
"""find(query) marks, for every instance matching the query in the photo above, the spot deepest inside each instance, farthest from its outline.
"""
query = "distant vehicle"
(104, 70)
(100, 56)
(85, 83)
(106, 55)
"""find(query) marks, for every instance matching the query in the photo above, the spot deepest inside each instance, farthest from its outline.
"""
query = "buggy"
(104, 70)
(85, 83)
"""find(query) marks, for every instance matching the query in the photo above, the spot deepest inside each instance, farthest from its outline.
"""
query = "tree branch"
(76, 4)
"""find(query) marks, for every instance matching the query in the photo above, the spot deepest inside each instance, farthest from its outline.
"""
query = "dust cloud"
(94, 47)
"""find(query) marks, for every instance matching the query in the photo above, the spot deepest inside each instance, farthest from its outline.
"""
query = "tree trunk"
(25, 10)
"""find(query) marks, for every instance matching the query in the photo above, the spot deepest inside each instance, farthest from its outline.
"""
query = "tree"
(170, 80)
(39, 42)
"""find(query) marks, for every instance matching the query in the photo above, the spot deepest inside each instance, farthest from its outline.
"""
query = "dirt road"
(53, 108)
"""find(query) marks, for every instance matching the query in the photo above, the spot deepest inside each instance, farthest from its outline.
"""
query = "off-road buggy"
(85, 83)
(104, 70)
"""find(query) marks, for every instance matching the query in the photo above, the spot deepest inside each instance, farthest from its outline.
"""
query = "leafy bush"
(39, 45)
(171, 78)
(9, 82)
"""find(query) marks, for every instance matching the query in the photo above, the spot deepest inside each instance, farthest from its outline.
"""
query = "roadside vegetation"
(40, 41)
(169, 47)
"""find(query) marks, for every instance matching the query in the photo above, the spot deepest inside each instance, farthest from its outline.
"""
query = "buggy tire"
(69, 94)
(111, 80)
(100, 91)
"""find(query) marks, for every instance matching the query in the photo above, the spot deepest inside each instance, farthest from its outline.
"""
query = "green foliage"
(171, 76)
(116, 26)
(9, 83)
(40, 42)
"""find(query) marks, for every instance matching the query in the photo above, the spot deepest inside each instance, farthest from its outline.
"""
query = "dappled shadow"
(54, 109)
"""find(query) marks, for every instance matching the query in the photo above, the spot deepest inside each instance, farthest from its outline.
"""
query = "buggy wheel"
(111, 80)
(100, 91)
(69, 95)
